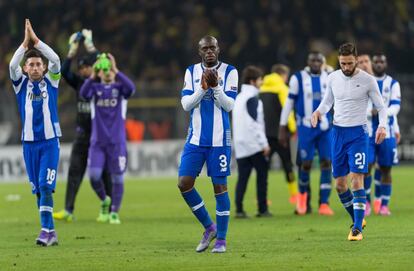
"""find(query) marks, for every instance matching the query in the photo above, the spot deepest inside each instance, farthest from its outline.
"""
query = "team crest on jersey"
(386, 90)
(115, 92)
(42, 84)
(197, 80)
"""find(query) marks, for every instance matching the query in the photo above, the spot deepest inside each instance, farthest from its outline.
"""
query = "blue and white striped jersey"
(391, 94)
(307, 91)
(209, 119)
(37, 100)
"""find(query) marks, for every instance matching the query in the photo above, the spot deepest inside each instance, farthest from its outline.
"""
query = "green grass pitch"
(158, 232)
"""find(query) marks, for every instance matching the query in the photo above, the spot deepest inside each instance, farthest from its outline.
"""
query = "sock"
(325, 185)
(292, 187)
(46, 210)
(303, 181)
(222, 214)
(347, 200)
(385, 194)
(367, 186)
(377, 182)
(117, 191)
(359, 208)
(196, 203)
(95, 175)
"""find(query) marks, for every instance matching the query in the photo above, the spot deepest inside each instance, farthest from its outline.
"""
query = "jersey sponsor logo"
(37, 98)
(107, 102)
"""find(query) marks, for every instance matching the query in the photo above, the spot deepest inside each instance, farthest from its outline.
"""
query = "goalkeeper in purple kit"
(108, 89)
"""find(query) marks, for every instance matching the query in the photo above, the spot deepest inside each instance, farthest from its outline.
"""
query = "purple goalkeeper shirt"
(108, 108)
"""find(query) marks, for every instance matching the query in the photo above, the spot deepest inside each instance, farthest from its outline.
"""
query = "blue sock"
(222, 214)
(359, 208)
(46, 210)
(325, 185)
(196, 204)
(367, 186)
(377, 181)
(303, 181)
(347, 200)
(385, 194)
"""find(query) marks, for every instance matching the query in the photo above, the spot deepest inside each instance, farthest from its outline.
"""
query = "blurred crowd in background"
(154, 41)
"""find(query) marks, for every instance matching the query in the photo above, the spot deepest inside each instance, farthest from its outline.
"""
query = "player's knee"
(325, 164)
(386, 172)
(45, 189)
(117, 178)
(341, 185)
(306, 166)
(185, 183)
(220, 188)
(95, 174)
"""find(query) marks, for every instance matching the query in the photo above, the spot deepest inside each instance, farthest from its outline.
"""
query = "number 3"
(223, 160)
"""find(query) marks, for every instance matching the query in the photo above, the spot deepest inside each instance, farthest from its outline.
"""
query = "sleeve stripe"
(17, 82)
(293, 96)
(186, 92)
(231, 94)
(395, 102)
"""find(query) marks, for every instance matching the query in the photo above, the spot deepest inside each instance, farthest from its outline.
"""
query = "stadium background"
(154, 41)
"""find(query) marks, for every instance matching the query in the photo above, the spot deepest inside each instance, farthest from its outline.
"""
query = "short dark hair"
(86, 60)
(251, 73)
(348, 49)
(280, 69)
(34, 53)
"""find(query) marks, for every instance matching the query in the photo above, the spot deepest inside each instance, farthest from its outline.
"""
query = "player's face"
(348, 64)
(364, 63)
(107, 77)
(85, 71)
(35, 68)
(379, 64)
(315, 62)
(209, 51)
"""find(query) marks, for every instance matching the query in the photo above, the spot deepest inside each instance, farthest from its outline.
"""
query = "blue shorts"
(385, 153)
(216, 158)
(42, 159)
(349, 150)
(310, 139)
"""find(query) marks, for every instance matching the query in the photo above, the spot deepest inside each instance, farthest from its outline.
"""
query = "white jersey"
(306, 91)
(350, 95)
(37, 101)
(209, 119)
(391, 95)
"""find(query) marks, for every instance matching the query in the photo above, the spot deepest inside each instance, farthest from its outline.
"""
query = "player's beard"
(349, 73)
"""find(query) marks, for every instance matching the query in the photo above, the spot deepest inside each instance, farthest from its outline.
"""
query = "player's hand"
(211, 77)
(88, 42)
(26, 40)
(398, 137)
(316, 116)
(266, 151)
(380, 135)
(32, 34)
(73, 44)
(283, 136)
(204, 84)
(114, 68)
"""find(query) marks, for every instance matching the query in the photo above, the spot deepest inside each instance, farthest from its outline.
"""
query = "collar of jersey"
(214, 67)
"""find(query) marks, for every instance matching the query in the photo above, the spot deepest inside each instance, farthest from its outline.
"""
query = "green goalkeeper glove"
(74, 44)
(88, 42)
